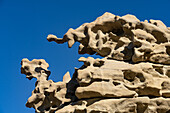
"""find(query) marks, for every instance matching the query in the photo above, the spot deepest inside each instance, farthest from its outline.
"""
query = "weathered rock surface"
(122, 105)
(47, 95)
(121, 38)
(120, 79)
(133, 76)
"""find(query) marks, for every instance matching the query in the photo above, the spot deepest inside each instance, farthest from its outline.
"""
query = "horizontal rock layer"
(123, 105)
(119, 79)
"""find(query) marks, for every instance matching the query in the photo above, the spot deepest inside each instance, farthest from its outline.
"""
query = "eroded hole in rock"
(38, 69)
(58, 89)
(168, 50)
(141, 107)
(26, 67)
(54, 106)
(29, 74)
(159, 69)
(168, 73)
(130, 24)
(116, 83)
(129, 75)
(40, 63)
(137, 44)
(159, 36)
(166, 85)
(104, 51)
(46, 93)
(98, 64)
(37, 90)
(141, 77)
(114, 27)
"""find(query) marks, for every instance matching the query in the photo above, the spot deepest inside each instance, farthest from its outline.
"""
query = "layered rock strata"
(132, 77)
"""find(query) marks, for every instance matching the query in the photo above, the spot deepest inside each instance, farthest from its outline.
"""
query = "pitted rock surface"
(132, 77)
(121, 38)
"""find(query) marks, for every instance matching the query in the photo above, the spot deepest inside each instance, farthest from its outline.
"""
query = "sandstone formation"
(132, 77)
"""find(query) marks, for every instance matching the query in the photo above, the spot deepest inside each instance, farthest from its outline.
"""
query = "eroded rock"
(132, 77)
(123, 105)
(121, 38)
(47, 96)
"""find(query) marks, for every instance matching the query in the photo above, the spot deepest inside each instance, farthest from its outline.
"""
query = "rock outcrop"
(132, 77)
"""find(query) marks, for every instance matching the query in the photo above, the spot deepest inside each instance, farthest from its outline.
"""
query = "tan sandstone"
(132, 77)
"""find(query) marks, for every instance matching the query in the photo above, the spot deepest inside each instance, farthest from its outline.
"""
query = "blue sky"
(25, 24)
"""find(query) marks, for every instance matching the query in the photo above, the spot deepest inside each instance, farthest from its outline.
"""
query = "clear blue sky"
(25, 24)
